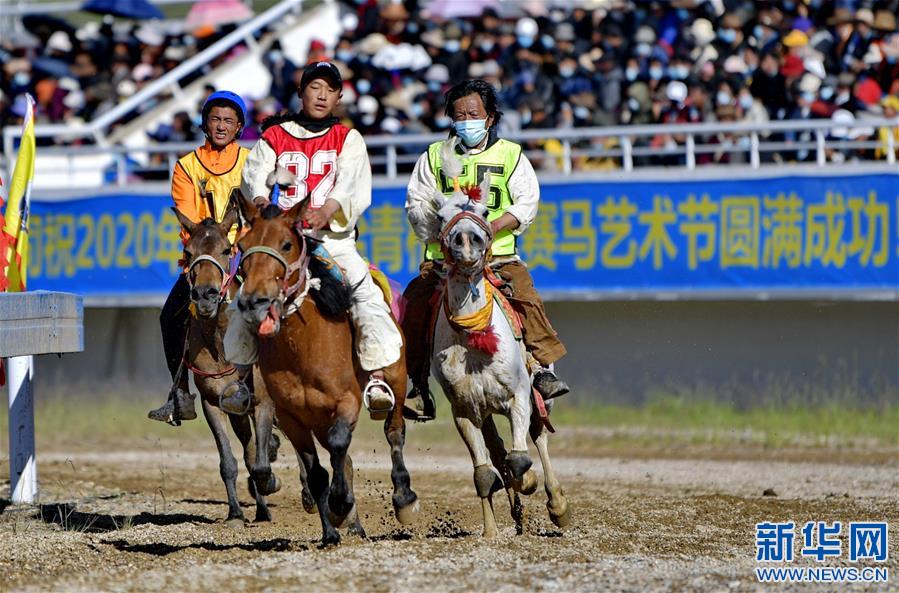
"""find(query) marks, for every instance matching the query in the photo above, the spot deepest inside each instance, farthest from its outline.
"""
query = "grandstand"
(579, 81)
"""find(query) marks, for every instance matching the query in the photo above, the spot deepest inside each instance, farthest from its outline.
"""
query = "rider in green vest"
(512, 204)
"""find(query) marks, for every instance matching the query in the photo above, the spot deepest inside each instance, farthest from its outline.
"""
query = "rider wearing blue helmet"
(204, 183)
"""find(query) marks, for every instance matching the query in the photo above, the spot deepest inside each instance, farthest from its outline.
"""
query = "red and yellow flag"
(14, 234)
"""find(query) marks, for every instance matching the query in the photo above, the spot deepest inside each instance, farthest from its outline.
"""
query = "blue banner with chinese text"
(785, 233)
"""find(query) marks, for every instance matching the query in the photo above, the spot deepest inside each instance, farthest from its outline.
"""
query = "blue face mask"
(655, 73)
(727, 35)
(678, 72)
(631, 74)
(826, 93)
(344, 55)
(487, 46)
(745, 101)
(525, 41)
(452, 45)
(758, 31)
(433, 86)
(471, 131)
(548, 42)
(363, 86)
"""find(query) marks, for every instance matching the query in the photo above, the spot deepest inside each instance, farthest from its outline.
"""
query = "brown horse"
(207, 253)
(306, 360)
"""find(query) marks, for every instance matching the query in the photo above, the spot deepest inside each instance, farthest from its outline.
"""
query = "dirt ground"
(141, 515)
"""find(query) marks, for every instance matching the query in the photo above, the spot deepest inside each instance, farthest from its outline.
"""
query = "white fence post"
(32, 323)
(22, 465)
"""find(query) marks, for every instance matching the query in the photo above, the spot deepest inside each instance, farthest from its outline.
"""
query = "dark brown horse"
(308, 365)
(207, 254)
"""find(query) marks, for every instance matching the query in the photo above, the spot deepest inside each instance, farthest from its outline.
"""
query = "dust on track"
(148, 517)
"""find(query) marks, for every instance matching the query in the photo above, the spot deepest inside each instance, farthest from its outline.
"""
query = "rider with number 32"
(330, 162)
(204, 183)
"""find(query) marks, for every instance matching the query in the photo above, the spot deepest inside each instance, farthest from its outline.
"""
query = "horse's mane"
(334, 297)
(271, 211)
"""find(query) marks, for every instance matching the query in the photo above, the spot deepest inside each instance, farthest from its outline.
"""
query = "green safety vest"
(500, 160)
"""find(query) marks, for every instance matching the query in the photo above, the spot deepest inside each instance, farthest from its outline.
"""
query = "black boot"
(549, 385)
(237, 397)
(420, 405)
(179, 406)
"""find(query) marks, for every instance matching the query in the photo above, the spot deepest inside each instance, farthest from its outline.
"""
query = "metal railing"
(170, 81)
(565, 151)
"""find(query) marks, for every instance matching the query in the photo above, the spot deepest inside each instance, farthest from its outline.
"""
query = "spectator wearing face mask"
(283, 72)
(769, 85)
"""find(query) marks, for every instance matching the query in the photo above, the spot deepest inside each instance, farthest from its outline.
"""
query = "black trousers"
(174, 321)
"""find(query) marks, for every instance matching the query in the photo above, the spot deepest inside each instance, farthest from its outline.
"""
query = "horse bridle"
(478, 220)
(300, 266)
(227, 277)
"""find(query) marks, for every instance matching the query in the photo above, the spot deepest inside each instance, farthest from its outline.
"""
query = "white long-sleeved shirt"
(352, 185)
(423, 198)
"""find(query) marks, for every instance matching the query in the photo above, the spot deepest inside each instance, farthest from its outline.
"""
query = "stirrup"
(239, 387)
(378, 413)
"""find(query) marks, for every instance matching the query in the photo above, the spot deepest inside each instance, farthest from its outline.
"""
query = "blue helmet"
(228, 97)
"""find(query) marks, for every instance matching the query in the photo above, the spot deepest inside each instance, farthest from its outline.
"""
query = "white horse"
(483, 369)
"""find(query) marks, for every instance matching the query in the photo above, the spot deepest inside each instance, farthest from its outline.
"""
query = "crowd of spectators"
(600, 63)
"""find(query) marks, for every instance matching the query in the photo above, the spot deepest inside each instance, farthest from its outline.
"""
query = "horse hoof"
(561, 515)
(518, 463)
(357, 530)
(528, 483)
(263, 516)
(308, 503)
(340, 521)
(330, 538)
(407, 514)
(236, 523)
(268, 486)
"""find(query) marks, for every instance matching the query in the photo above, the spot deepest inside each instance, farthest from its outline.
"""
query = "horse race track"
(146, 515)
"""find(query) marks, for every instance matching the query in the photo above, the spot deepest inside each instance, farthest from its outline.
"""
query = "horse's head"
(207, 253)
(465, 234)
(273, 265)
